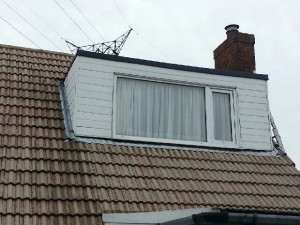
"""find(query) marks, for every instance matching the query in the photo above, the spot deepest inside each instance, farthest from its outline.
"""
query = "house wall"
(70, 86)
(91, 109)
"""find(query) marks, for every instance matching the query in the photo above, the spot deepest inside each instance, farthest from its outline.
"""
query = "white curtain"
(222, 116)
(160, 110)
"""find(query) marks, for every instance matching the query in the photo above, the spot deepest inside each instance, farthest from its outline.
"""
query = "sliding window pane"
(222, 116)
(160, 110)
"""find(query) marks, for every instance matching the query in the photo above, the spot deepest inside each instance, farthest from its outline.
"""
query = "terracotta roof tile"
(45, 179)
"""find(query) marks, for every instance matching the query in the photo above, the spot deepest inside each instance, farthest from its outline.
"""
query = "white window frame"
(210, 114)
(209, 89)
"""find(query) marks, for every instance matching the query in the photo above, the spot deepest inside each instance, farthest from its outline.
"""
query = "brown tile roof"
(48, 180)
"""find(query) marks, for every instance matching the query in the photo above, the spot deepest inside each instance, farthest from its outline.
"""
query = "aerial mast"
(109, 47)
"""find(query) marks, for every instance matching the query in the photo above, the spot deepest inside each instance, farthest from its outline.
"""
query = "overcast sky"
(177, 31)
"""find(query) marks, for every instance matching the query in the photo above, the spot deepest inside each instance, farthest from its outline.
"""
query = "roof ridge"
(34, 50)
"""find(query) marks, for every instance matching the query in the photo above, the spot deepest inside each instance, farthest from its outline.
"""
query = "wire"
(20, 33)
(144, 39)
(23, 2)
(73, 21)
(31, 25)
(122, 14)
(153, 46)
(87, 20)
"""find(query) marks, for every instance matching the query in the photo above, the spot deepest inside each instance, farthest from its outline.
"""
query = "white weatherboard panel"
(90, 122)
(95, 95)
(81, 101)
(253, 112)
(258, 138)
(250, 134)
(99, 117)
(255, 145)
(261, 94)
(92, 132)
(94, 109)
(253, 105)
(148, 71)
(94, 88)
(90, 83)
(70, 88)
(254, 119)
(252, 125)
(256, 100)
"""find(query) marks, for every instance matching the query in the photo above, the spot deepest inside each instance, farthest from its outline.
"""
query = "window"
(222, 116)
(172, 113)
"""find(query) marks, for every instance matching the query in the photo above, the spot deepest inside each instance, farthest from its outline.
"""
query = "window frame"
(209, 89)
(232, 113)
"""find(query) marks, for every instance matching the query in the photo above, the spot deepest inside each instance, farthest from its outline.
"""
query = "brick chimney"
(236, 53)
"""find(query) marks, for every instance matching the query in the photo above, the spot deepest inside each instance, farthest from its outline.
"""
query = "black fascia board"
(171, 65)
(223, 218)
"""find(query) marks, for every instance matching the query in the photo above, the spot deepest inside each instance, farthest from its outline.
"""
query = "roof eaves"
(171, 65)
(34, 50)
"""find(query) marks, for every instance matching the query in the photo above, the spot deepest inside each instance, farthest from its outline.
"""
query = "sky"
(176, 31)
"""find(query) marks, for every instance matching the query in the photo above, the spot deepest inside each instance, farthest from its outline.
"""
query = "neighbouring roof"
(46, 179)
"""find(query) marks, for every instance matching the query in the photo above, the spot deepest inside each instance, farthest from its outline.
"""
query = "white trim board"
(150, 217)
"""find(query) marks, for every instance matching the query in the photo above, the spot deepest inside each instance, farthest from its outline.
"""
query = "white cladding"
(89, 90)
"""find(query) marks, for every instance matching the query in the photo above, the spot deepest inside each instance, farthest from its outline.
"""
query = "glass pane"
(160, 110)
(222, 116)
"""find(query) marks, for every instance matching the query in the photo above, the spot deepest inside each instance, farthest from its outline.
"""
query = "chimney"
(236, 53)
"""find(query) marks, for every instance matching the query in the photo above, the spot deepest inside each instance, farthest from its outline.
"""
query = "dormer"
(119, 98)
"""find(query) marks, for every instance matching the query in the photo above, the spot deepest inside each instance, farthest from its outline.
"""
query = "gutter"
(225, 218)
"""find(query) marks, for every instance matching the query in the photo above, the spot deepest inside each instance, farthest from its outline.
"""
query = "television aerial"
(109, 47)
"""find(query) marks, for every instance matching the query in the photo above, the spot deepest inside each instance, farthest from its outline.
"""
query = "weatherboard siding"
(70, 86)
(94, 103)
(93, 106)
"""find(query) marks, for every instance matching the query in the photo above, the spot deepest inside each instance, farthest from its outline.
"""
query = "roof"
(46, 179)
(172, 66)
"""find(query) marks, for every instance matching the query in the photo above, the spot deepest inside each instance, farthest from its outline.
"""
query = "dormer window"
(170, 112)
(113, 98)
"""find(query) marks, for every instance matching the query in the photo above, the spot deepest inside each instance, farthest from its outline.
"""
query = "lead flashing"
(171, 65)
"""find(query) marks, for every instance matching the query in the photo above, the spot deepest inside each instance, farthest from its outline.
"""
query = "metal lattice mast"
(276, 136)
(109, 47)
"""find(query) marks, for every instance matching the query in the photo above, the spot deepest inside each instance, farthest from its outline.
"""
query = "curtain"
(222, 116)
(160, 110)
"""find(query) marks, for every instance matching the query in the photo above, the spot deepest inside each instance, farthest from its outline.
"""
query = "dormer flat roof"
(171, 65)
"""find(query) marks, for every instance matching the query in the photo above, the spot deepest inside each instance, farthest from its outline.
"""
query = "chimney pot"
(231, 30)
(231, 27)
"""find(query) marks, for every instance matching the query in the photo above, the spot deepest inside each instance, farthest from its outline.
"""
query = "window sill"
(218, 144)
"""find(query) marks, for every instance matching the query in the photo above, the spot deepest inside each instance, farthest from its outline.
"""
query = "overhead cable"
(73, 21)
(31, 25)
(152, 45)
(122, 14)
(20, 32)
(87, 20)
(37, 15)
(144, 39)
